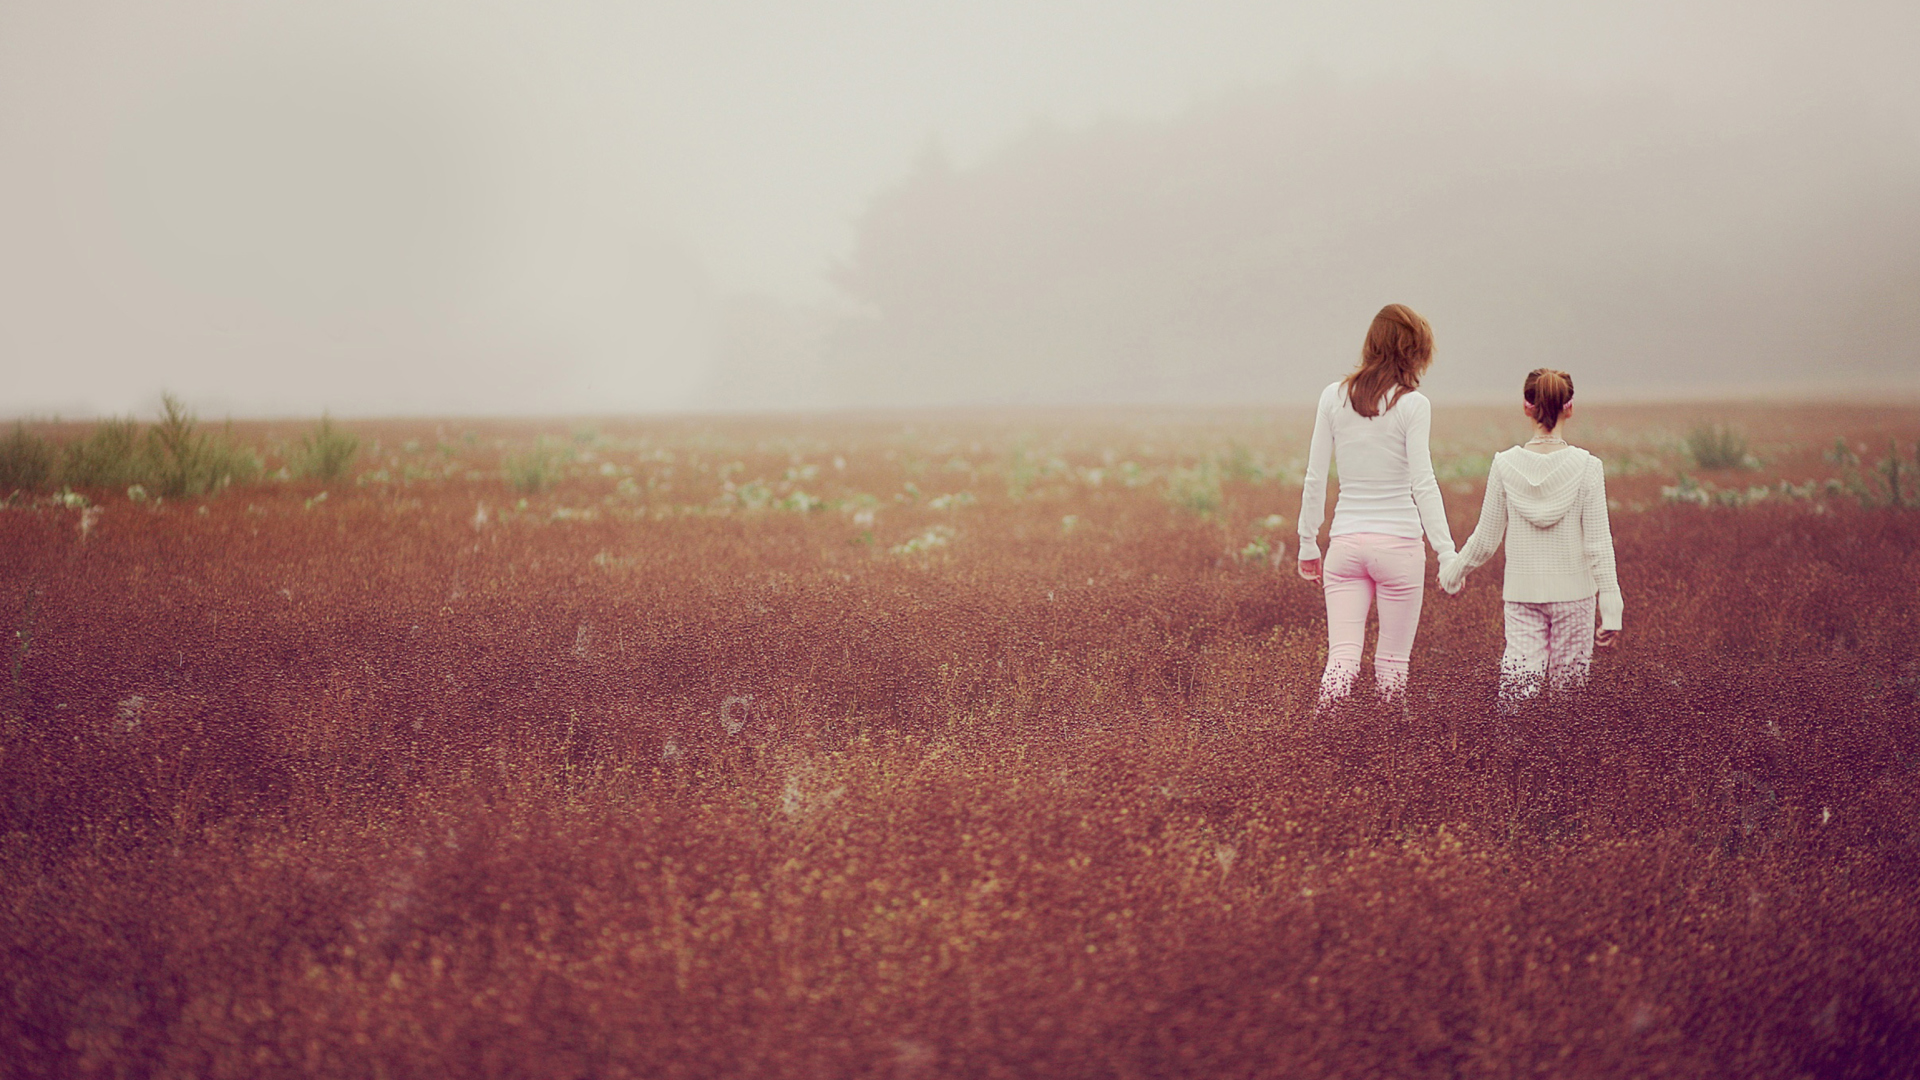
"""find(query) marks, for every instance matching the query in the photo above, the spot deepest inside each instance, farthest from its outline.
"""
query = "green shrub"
(182, 460)
(1020, 471)
(326, 452)
(26, 461)
(1718, 447)
(1895, 477)
(174, 449)
(1243, 464)
(229, 461)
(531, 471)
(109, 456)
(1195, 490)
(937, 536)
(1889, 482)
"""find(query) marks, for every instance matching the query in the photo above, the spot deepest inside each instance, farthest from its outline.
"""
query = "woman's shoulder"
(1412, 403)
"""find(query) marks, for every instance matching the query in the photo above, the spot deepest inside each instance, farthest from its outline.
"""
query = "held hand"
(1309, 569)
(1605, 638)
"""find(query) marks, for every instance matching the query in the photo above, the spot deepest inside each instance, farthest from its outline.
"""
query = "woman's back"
(1388, 497)
(1387, 484)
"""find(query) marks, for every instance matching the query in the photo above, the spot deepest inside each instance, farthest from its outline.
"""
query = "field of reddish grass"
(945, 747)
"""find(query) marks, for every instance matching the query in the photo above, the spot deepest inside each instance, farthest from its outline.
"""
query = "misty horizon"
(418, 210)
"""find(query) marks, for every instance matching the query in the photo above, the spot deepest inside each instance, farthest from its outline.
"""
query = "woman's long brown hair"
(1398, 349)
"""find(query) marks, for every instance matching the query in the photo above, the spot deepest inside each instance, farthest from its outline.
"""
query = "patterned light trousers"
(1549, 645)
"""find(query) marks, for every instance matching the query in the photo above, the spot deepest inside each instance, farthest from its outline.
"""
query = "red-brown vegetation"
(664, 774)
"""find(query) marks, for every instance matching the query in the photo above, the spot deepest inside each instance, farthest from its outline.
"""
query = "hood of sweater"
(1543, 487)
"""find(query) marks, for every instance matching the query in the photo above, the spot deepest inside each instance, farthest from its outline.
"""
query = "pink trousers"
(1360, 569)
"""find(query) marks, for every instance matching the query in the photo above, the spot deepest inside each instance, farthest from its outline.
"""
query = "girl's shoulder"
(1578, 452)
(1520, 461)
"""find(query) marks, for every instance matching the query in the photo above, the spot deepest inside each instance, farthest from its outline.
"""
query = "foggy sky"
(435, 208)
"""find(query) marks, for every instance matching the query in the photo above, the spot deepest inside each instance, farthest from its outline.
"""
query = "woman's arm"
(1313, 496)
(1486, 535)
(1426, 489)
(1596, 537)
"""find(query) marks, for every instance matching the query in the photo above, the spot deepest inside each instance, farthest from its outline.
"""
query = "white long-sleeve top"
(1552, 508)
(1386, 473)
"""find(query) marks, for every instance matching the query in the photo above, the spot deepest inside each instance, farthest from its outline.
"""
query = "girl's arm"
(1596, 537)
(1313, 496)
(1426, 489)
(1486, 535)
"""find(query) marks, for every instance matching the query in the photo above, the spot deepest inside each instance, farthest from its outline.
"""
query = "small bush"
(1688, 490)
(1889, 482)
(26, 461)
(1243, 465)
(1718, 447)
(174, 445)
(1895, 477)
(1021, 471)
(230, 461)
(1196, 490)
(326, 452)
(937, 536)
(109, 456)
(182, 460)
(531, 471)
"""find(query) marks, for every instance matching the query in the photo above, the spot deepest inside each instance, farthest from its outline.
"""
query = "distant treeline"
(1236, 252)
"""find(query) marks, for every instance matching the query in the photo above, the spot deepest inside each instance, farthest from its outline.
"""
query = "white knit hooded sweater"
(1552, 509)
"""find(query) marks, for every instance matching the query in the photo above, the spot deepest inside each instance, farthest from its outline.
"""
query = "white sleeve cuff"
(1309, 548)
(1611, 608)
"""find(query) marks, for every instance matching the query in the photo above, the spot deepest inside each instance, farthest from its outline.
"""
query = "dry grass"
(652, 777)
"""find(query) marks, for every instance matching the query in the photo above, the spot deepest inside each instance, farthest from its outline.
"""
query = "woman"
(1374, 425)
(1549, 499)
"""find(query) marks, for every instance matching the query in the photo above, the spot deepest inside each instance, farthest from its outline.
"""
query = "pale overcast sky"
(536, 205)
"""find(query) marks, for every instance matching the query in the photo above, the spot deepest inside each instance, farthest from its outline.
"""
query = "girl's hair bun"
(1547, 393)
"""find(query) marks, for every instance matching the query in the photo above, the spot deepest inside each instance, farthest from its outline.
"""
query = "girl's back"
(1549, 499)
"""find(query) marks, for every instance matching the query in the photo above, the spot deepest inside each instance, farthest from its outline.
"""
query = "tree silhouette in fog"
(1234, 252)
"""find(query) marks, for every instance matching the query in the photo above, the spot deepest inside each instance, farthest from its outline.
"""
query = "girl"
(1550, 499)
(1374, 424)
